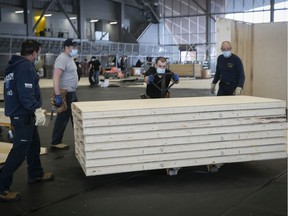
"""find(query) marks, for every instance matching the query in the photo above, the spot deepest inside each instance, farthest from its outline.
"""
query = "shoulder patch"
(28, 85)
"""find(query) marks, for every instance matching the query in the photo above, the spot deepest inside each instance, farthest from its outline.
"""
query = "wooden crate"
(134, 135)
(187, 70)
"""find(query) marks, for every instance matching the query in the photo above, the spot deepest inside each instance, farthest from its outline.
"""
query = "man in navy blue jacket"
(230, 72)
(23, 105)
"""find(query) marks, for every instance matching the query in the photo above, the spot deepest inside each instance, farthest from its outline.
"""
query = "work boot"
(48, 176)
(60, 146)
(8, 196)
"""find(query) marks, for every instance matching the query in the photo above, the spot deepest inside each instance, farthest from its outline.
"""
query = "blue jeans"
(62, 119)
(96, 77)
(26, 144)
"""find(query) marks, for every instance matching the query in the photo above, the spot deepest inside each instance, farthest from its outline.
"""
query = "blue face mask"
(227, 53)
(73, 53)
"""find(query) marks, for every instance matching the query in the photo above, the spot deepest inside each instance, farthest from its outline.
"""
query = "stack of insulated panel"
(133, 135)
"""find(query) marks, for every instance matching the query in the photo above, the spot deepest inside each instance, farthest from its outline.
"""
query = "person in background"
(153, 78)
(84, 67)
(79, 71)
(23, 105)
(94, 68)
(138, 63)
(65, 79)
(230, 72)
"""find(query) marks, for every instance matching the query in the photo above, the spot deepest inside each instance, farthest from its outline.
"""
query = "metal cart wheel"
(172, 171)
(213, 168)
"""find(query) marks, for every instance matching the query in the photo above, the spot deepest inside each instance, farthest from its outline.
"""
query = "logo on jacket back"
(7, 80)
(28, 85)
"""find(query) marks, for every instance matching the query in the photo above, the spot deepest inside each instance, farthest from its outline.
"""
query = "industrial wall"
(105, 11)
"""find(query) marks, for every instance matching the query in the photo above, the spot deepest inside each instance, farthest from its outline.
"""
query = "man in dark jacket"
(94, 68)
(157, 76)
(230, 72)
(23, 106)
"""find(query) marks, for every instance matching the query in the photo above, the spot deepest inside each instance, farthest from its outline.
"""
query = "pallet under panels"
(133, 135)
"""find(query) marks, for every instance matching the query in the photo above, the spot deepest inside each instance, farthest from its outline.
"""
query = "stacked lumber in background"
(134, 135)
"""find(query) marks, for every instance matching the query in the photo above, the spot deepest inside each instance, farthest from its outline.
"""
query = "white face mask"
(227, 54)
(73, 53)
(160, 70)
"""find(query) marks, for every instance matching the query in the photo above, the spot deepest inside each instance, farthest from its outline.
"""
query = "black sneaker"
(8, 196)
(48, 176)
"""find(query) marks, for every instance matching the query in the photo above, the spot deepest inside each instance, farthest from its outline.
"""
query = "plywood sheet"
(1, 90)
(6, 147)
(163, 105)
(4, 120)
(130, 135)
(270, 60)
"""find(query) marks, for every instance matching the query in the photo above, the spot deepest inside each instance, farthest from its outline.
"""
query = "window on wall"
(185, 30)
(281, 11)
(258, 12)
(177, 8)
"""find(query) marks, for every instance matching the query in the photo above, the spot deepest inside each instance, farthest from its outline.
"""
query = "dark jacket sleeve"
(27, 87)
(241, 74)
(217, 73)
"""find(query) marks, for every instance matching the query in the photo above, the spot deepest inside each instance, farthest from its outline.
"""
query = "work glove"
(40, 117)
(175, 77)
(150, 79)
(58, 100)
(237, 91)
(212, 88)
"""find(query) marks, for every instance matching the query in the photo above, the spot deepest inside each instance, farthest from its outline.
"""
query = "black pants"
(91, 81)
(226, 88)
(26, 144)
(62, 119)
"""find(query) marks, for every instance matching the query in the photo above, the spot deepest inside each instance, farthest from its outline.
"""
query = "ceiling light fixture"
(73, 18)
(113, 23)
(94, 20)
(19, 12)
(47, 15)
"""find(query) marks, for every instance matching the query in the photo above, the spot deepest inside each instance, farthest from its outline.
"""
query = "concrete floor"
(249, 188)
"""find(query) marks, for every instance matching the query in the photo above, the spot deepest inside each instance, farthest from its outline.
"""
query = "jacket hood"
(14, 62)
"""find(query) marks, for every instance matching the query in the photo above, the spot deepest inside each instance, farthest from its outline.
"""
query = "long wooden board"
(6, 147)
(4, 120)
(130, 135)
